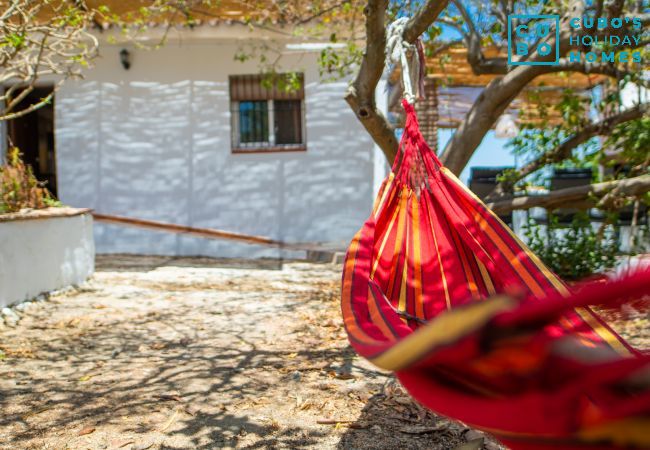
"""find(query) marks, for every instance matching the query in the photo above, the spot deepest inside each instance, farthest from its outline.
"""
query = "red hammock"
(439, 290)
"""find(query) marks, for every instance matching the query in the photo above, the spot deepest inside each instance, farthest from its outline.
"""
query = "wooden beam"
(208, 233)
(582, 195)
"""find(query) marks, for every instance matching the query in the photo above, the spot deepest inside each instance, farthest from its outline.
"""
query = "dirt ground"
(159, 353)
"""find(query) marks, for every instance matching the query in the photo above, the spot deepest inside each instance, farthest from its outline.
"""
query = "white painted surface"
(154, 143)
(381, 168)
(43, 255)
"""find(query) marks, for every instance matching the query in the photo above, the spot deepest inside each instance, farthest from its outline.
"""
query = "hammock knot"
(398, 51)
(395, 43)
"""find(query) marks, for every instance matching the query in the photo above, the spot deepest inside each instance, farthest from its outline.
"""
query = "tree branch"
(31, 108)
(496, 97)
(56, 45)
(615, 7)
(361, 93)
(585, 195)
(480, 65)
(563, 151)
(423, 19)
(564, 65)
(450, 23)
(444, 46)
(490, 104)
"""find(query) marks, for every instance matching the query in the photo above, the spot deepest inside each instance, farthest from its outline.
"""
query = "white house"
(180, 136)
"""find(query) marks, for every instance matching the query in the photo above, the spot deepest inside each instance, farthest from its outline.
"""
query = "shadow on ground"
(178, 354)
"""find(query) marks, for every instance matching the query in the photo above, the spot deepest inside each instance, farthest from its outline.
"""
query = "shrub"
(574, 251)
(19, 188)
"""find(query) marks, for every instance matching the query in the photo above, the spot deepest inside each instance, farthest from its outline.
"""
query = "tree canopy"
(599, 126)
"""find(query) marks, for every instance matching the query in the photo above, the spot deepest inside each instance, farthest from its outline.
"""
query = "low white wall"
(44, 254)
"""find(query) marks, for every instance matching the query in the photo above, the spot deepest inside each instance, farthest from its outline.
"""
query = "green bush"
(19, 188)
(574, 251)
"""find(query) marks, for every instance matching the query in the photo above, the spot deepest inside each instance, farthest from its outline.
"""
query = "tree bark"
(584, 195)
(423, 19)
(492, 102)
(487, 108)
(361, 93)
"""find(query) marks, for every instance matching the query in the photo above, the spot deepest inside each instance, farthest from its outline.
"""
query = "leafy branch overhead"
(41, 39)
(478, 24)
(59, 38)
(591, 127)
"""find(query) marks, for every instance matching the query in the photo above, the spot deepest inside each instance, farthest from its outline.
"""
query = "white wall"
(38, 256)
(153, 142)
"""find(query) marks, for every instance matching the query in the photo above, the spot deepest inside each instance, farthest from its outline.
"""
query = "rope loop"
(397, 52)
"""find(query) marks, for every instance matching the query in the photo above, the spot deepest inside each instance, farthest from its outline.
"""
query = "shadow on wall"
(161, 151)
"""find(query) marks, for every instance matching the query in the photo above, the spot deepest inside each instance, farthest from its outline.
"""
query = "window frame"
(238, 147)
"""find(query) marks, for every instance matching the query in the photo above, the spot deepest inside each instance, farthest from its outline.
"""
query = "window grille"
(265, 116)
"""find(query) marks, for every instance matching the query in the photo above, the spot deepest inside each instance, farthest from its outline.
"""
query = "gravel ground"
(159, 353)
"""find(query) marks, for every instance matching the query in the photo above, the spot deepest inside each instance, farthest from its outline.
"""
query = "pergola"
(451, 88)
(262, 13)
(224, 11)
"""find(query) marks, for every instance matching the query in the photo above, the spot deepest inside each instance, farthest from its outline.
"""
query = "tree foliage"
(595, 127)
(576, 251)
(41, 39)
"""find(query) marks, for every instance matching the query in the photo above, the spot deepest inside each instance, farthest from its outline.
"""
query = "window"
(253, 123)
(266, 118)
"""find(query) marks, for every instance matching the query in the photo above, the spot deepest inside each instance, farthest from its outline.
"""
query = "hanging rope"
(397, 52)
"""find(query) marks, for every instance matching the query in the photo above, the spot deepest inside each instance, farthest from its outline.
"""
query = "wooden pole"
(208, 233)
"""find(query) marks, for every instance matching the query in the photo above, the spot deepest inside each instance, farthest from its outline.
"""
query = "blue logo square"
(530, 35)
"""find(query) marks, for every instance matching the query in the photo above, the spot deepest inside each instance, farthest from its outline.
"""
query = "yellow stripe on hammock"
(445, 329)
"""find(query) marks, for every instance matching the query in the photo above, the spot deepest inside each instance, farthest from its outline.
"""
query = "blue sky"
(491, 153)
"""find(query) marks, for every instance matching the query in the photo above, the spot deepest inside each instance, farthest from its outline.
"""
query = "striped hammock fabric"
(439, 290)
